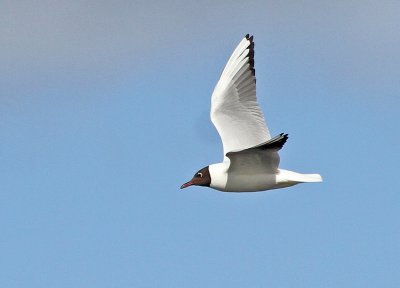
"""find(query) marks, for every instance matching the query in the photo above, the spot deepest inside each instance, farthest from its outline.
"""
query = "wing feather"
(234, 108)
(263, 158)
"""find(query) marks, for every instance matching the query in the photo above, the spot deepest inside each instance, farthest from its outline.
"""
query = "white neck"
(219, 175)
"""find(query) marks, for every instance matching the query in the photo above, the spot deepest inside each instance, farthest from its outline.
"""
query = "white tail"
(310, 178)
(290, 176)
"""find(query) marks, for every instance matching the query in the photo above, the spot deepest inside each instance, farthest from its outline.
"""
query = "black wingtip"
(276, 142)
(249, 37)
(251, 54)
(284, 137)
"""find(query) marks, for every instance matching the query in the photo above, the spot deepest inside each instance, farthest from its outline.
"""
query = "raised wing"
(260, 159)
(234, 108)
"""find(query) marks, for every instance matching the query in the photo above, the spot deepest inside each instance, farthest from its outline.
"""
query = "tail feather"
(290, 176)
(310, 178)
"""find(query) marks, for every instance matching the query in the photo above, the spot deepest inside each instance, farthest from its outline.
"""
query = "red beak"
(187, 184)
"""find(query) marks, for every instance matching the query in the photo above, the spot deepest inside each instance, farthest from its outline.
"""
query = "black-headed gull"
(250, 155)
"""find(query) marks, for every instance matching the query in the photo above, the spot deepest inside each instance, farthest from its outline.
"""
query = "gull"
(251, 159)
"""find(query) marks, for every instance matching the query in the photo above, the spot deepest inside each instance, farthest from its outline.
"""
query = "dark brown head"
(201, 178)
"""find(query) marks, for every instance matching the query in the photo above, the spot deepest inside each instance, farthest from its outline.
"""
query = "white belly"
(235, 182)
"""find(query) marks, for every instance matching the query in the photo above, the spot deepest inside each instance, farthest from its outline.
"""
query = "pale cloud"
(92, 36)
(102, 31)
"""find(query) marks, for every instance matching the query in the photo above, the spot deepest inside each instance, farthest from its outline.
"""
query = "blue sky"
(104, 114)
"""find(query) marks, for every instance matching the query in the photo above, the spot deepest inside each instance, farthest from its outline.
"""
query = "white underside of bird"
(222, 180)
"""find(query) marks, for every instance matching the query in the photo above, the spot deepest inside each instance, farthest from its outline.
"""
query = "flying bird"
(251, 156)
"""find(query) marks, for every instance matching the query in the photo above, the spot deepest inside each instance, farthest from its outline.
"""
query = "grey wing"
(263, 158)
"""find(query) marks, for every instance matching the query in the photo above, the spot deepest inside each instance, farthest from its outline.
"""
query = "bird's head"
(201, 178)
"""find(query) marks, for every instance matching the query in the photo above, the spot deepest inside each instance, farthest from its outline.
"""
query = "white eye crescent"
(199, 174)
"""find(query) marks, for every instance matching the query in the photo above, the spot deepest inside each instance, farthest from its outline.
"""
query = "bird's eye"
(199, 174)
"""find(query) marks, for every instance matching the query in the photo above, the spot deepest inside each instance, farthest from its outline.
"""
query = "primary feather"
(234, 108)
